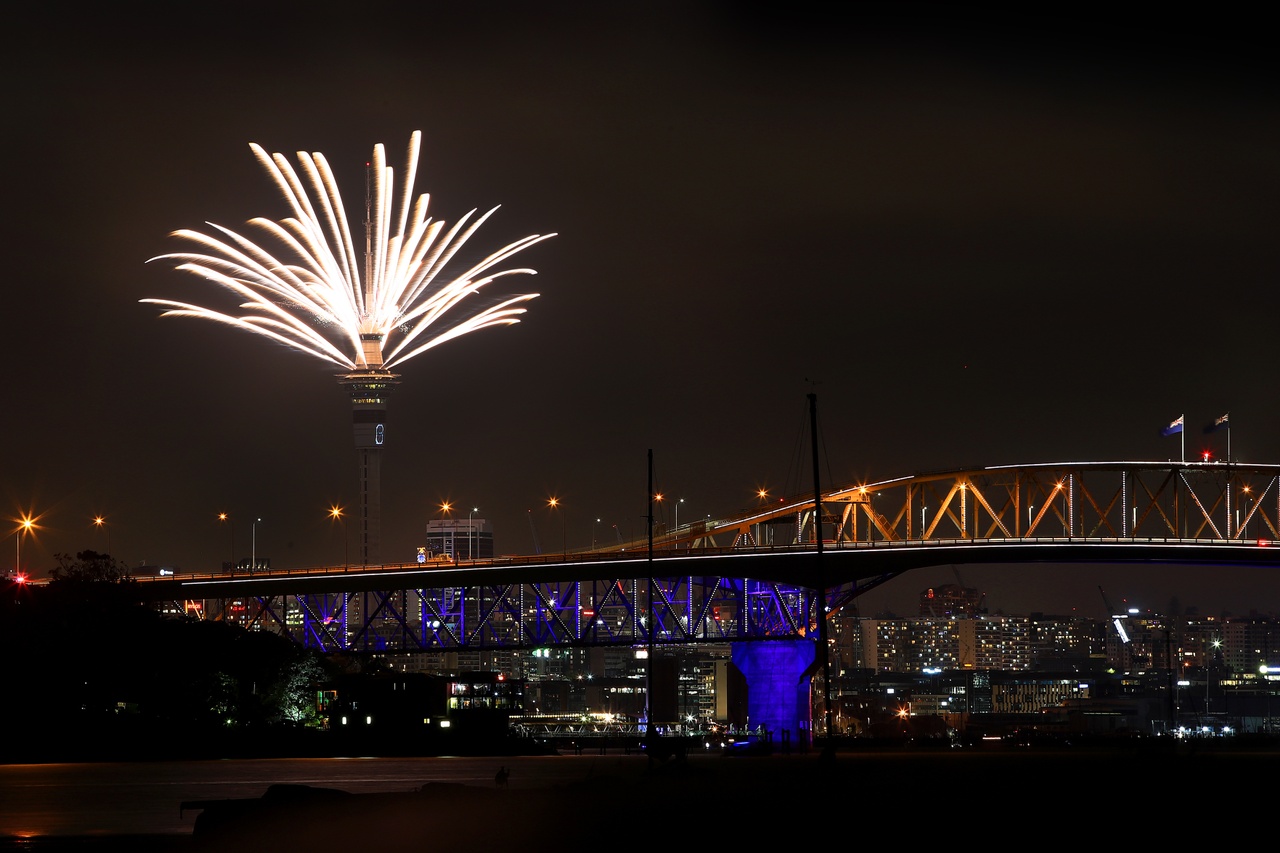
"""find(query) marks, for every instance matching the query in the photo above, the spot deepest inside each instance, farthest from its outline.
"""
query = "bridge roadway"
(756, 574)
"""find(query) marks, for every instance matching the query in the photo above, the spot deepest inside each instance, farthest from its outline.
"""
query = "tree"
(88, 567)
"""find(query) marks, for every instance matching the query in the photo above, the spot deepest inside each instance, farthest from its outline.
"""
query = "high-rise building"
(459, 539)
(951, 600)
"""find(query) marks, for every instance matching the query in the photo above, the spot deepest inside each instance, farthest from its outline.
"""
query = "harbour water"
(623, 802)
(144, 798)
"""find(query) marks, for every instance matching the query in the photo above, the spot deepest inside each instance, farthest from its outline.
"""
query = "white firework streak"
(317, 303)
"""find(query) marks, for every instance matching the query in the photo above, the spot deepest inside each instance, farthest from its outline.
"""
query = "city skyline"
(977, 242)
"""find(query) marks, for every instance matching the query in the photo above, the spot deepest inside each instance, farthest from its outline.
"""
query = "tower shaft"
(369, 389)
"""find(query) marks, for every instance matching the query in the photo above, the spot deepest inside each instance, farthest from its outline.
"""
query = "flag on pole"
(1173, 428)
(1218, 423)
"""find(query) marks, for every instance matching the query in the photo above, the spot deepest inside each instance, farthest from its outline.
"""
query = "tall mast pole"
(651, 734)
(829, 749)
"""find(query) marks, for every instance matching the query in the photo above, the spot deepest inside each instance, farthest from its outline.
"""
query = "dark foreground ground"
(1042, 799)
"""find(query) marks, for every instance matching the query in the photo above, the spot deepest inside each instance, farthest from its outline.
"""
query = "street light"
(222, 517)
(335, 514)
(447, 509)
(471, 534)
(100, 522)
(761, 530)
(1031, 508)
(554, 503)
(1244, 534)
(1065, 509)
(26, 524)
(676, 509)
(253, 546)
(923, 526)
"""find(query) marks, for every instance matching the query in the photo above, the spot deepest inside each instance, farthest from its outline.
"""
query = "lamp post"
(447, 509)
(335, 514)
(676, 510)
(761, 531)
(1031, 508)
(25, 524)
(471, 534)
(253, 546)
(554, 503)
(231, 529)
(1244, 534)
(1066, 510)
(100, 522)
(923, 511)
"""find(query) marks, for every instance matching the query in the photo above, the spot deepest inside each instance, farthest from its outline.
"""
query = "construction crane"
(537, 549)
(1115, 617)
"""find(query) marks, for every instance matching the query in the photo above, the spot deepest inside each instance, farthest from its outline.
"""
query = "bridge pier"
(777, 687)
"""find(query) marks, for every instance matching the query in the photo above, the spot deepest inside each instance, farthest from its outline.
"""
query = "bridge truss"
(1191, 500)
(753, 575)
(615, 611)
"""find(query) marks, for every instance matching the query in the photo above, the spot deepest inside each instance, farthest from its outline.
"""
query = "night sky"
(977, 241)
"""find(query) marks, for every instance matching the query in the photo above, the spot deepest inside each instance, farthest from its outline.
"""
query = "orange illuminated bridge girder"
(1044, 506)
(757, 574)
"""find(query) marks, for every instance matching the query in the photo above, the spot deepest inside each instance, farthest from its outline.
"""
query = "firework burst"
(313, 294)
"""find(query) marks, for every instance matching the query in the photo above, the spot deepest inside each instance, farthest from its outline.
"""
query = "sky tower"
(369, 385)
(314, 296)
(369, 388)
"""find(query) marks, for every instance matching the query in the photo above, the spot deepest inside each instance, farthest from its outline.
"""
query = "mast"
(828, 749)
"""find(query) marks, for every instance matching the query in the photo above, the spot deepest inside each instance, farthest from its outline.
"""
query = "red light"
(1205, 456)
(1262, 543)
(20, 579)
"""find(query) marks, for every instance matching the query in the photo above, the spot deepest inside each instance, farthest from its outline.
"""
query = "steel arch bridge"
(768, 571)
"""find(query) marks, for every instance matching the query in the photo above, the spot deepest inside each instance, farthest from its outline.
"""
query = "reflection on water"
(144, 798)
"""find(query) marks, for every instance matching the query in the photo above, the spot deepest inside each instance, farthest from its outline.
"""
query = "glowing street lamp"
(675, 507)
(100, 523)
(253, 547)
(1065, 509)
(26, 524)
(554, 503)
(335, 514)
(231, 529)
(1245, 532)
(447, 509)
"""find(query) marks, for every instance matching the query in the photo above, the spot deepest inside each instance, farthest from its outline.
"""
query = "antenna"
(368, 225)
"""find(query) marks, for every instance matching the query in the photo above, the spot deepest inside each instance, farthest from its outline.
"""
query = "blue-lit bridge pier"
(761, 573)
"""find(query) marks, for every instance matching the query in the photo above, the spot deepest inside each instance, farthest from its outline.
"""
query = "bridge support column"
(777, 698)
